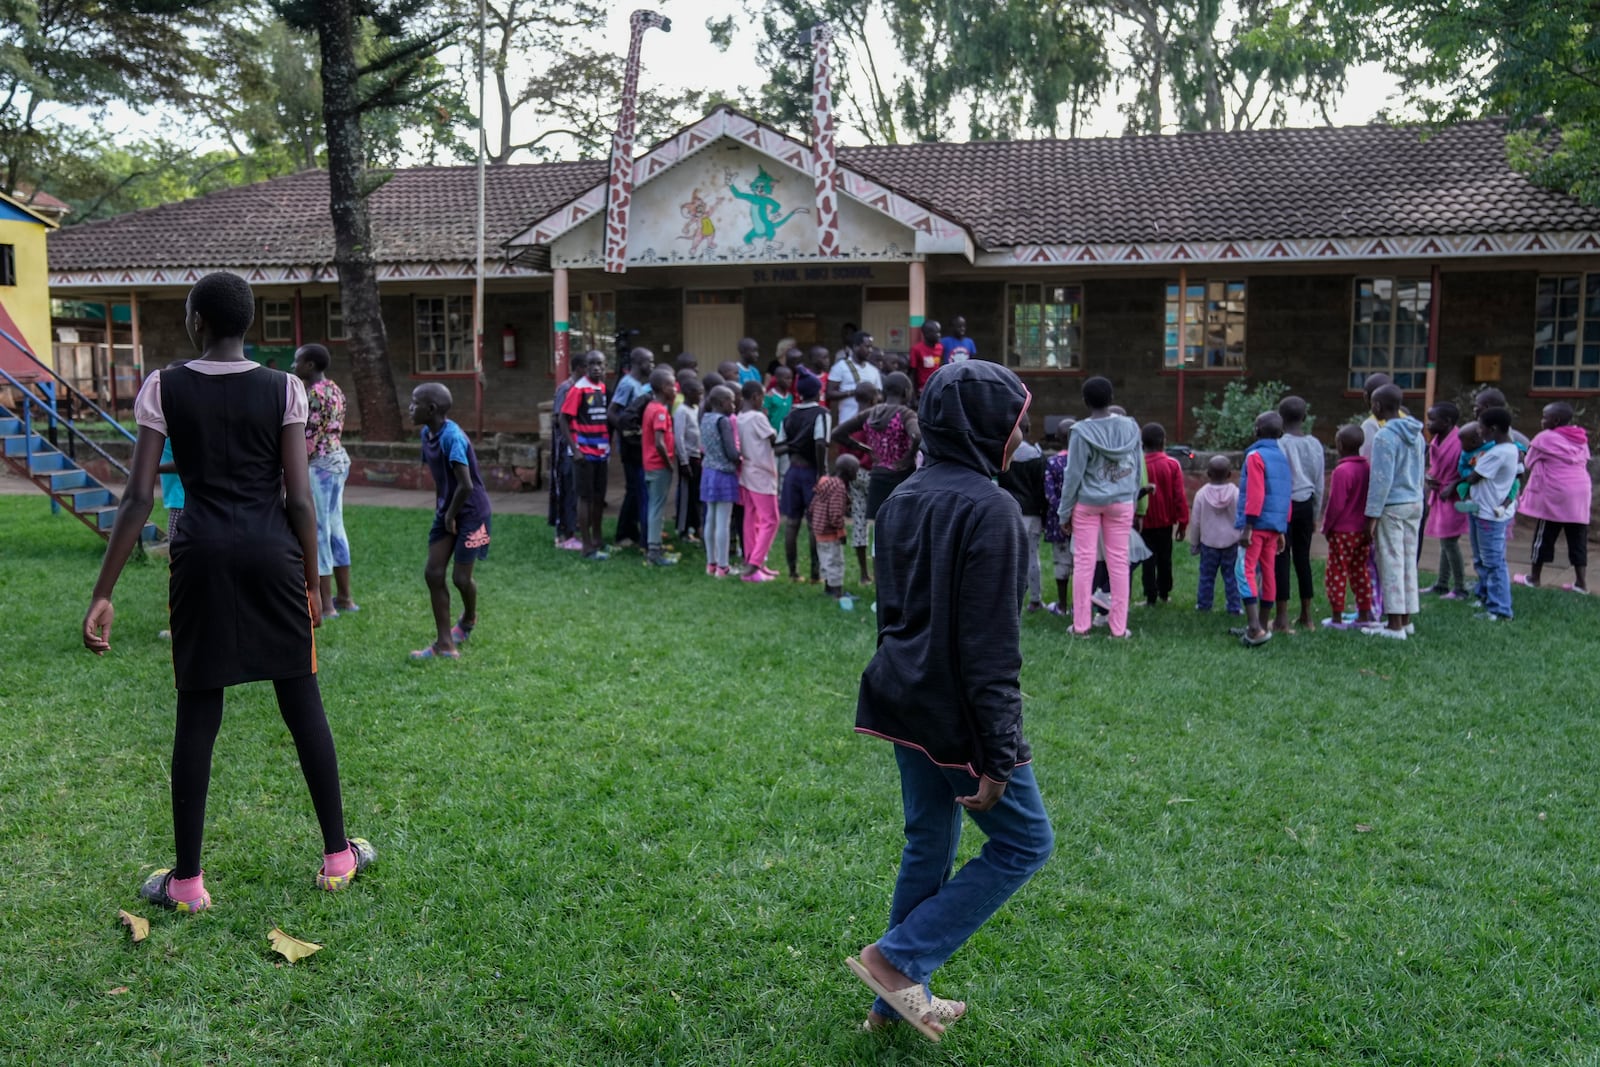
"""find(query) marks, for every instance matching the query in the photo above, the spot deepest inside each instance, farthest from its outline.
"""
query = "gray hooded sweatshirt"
(1105, 464)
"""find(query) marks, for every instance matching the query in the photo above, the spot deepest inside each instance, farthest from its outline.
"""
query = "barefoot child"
(829, 516)
(1215, 540)
(1262, 519)
(1559, 494)
(243, 596)
(1444, 522)
(460, 519)
(956, 721)
(1344, 524)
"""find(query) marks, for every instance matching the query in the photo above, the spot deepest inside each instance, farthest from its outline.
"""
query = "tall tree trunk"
(352, 227)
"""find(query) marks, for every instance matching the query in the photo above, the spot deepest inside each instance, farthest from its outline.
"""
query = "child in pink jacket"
(1444, 522)
(1559, 494)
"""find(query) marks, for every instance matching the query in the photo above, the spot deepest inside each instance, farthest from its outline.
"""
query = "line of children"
(1262, 519)
(1166, 516)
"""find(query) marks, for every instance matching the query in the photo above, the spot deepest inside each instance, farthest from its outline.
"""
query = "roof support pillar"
(559, 309)
(299, 333)
(917, 293)
(138, 345)
(1435, 293)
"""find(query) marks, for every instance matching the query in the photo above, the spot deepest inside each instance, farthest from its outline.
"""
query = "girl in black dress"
(244, 571)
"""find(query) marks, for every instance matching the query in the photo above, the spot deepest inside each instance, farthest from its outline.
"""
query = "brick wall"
(767, 312)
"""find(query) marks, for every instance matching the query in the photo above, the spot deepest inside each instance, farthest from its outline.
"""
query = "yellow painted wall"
(29, 300)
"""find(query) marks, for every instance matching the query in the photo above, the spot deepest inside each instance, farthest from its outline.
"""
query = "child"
(563, 468)
(779, 399)
(461, 518)
(1307, 464)
(719, 477)
(686, 434)
(1216, 542)
(927, 354)
(1492, 486)
(1559, 494)
(749, 369)
(1099, 497)
(1444, 522)
(1024, 480)
(1060, 543)
(243, 572)
(829, 510)
(956, 721)
(1344, 524)
(660, 457)
(803, 441)
(861, 491)
(758, 484)
(587, 430)
(1167, 510)
(1394, 509)
(1262, 517)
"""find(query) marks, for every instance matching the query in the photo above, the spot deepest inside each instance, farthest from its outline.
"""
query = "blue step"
(20, 444)
(72, 479)
(45, 462)
(103, 516)
(9, 424)
(91, 496)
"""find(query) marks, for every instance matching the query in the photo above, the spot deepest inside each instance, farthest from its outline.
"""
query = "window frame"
(1585, 335)
(1418, 374)
(465, 339)
(1170, 325)
(285, 317)
(8, 265)
(330, 317)
(1076, 322)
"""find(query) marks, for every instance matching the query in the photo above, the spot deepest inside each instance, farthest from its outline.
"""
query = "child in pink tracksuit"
(1444, 522)
(1559, 494)
(758, 482)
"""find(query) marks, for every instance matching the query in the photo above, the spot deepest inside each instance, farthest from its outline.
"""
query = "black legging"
(1302, 528)
(199, 718)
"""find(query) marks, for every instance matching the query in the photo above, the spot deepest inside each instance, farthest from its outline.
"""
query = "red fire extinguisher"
(508, 347)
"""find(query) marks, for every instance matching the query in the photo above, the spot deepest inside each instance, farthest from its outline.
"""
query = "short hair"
(751, 390)
(314, 354)
(1374, 382)
(1489, 396)
(1097, 393)
(1496, 419)
(1448, 411)
(1388, 397)
(686, 361)
(1269, 424)
(690, 382)
(1293, 410)
(859, 338)
(1219, 464)
(1562, 411)
(1153, 434)
(225, 302)
(1350, 438)
(897, 382)
(662, 376)
(711, 380)
(846, 462)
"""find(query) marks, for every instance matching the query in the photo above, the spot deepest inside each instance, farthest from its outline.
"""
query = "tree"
(92, 54)
(1538, 65)
(395, 76)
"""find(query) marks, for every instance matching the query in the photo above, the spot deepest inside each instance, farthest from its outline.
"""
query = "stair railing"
(28, 402)
(109, 420)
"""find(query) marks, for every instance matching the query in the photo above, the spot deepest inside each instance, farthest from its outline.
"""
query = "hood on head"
(967, 413)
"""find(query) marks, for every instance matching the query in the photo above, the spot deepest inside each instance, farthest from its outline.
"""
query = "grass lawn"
(633, 825)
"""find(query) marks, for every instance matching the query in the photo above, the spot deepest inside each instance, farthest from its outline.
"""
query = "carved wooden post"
(824, 162)
(619, 188)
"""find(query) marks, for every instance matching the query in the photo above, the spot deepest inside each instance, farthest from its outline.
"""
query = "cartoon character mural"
(764, 218)
(700, 229)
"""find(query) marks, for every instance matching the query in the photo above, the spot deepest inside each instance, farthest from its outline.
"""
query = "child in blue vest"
(460, 520)
(1263, 519)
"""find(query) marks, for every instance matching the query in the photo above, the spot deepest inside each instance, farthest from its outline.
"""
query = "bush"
(1228, 422)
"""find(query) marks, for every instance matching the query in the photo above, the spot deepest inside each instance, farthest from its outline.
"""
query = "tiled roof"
(422, 214)
(1361, 181)
(1353, 181)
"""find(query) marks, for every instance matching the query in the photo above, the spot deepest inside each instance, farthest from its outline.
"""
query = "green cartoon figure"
(763, 207)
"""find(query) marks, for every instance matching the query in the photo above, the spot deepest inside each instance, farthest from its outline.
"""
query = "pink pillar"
(619, 187)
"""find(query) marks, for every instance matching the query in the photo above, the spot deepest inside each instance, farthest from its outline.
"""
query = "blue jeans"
(328, 475)
(658, 489)
(1213, 561)
(933, 914)
(1489, 559)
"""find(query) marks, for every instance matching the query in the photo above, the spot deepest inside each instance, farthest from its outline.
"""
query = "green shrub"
(1228, 422)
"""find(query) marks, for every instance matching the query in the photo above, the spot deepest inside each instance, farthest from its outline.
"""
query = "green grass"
(633, 825)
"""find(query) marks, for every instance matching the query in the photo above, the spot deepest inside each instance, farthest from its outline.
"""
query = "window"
(277, 321)
(335, 329)
(1566, 335)
(8, 264)
(593, 324)
(444, 335)
(1213, 327)
(1389, 331)
(1044, 327)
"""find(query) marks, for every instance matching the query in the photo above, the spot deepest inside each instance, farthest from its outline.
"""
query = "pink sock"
(339, 864)
(187, 888)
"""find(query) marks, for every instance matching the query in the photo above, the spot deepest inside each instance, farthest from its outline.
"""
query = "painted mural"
(728, 203)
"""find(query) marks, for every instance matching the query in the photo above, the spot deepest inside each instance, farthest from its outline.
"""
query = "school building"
(1171, 265)
(24, 286)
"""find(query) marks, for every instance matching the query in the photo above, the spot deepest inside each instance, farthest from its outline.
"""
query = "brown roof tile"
(1361, 181)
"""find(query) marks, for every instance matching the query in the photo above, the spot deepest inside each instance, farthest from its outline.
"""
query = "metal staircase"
(28, 443)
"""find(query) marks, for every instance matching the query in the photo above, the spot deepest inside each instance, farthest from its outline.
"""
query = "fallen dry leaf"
(138, 927)
(1363, 828)
(117, 992)
(291, 948)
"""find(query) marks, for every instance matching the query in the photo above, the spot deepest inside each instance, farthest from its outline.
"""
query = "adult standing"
(958, 347)
(330, 468)
(1099, 494)
(890, 435)
(634, 384)
(849, 373)
(563, 472)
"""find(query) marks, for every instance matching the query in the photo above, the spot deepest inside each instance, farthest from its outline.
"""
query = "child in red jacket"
(1168, 509)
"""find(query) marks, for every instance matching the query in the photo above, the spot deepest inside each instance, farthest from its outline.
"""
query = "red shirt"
(1169, 504)
(925, 359)
(656, 420)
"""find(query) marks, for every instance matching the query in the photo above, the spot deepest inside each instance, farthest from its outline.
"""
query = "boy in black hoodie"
(944, 687)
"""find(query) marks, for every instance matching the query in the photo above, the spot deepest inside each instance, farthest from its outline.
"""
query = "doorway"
(713, 324)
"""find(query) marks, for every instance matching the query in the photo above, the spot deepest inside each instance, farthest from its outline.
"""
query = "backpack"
(630, 424)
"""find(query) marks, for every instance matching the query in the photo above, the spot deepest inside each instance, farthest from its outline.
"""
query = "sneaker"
(1101, 600)
(1054, 608)
(154, 890)
(1330, 624)
(365, 854)
(1384, 631)
(660, 559)
(757, 575)
(1100, 620)
(720, 572)
(1489, 616)
(1436, 590)
(1452, 595)
(597, 556)
(1411, 629)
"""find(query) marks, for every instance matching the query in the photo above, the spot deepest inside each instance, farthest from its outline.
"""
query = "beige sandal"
(911, 1003)
(946, 1011)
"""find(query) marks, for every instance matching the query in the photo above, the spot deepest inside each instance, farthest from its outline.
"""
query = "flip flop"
(1257, 642)
(353, 607)
(1570, 588)
(911, 1003)
(433, 653)
(460, 634)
